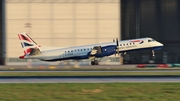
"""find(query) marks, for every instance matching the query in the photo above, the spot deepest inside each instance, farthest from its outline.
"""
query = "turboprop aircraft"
(92, 51)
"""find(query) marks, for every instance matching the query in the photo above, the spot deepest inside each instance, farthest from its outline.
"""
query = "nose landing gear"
(153, 53)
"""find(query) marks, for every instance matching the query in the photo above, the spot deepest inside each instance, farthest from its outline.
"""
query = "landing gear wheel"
(95, 62)
(153, 53)
(92, 63)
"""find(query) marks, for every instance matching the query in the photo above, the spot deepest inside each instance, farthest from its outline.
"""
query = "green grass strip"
(91, 92)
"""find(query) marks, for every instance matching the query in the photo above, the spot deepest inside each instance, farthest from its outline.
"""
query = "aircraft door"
(61, 54)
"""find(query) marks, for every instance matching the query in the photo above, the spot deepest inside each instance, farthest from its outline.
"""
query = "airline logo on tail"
(27, 43)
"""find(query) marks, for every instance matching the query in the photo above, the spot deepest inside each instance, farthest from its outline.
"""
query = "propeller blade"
(117, 47)
(117, 42)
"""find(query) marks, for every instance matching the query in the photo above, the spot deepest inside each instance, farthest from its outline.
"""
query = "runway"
(89, 79)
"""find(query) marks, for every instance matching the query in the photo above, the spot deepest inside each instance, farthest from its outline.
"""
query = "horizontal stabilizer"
(35, 51)
(31, 52)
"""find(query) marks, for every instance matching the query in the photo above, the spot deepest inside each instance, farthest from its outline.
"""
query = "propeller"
(117, 42)
(117, 46)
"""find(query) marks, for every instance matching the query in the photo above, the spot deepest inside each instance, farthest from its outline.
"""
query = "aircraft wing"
(96, 50)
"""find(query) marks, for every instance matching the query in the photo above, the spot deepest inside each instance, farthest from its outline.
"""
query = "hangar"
(62, 23)
(159, 19)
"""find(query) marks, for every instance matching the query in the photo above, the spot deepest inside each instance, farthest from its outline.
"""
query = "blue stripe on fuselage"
(106, 51)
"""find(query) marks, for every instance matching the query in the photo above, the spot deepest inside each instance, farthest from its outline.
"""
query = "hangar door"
(61, 23)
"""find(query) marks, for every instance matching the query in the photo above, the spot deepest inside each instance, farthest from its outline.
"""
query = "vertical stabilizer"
(28, 44)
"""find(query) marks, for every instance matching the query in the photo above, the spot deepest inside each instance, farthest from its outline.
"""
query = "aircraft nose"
(160, 44)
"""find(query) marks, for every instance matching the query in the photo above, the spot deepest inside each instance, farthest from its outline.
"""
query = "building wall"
(61, 23)
(158, 19)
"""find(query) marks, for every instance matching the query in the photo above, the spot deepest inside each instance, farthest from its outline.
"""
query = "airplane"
(92, 51)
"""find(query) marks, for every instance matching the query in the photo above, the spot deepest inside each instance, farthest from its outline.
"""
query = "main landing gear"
(94, 62)
(153, 53)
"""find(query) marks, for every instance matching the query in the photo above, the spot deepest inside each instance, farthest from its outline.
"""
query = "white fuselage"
(109, 48)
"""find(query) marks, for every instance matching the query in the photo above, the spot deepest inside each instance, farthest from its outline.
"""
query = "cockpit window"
(152, 40)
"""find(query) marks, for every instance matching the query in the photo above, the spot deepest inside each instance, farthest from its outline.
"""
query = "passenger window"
(149, 40)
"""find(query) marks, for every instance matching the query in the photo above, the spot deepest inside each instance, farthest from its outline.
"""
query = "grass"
(91, 92)
(90, 73)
